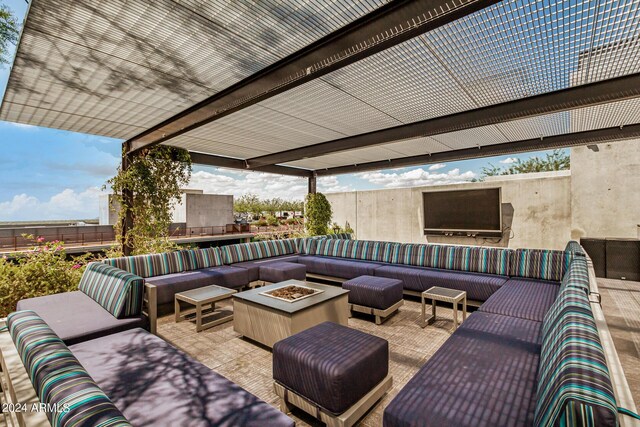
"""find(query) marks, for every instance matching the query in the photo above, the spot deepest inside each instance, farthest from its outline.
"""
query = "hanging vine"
(156, 177)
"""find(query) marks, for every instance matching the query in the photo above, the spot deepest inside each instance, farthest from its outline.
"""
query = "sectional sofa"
(117, 374)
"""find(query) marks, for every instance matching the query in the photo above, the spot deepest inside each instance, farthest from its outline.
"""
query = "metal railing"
(100, 238)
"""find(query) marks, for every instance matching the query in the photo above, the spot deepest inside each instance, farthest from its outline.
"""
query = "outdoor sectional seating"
(531, 355)
(123, 379)
(108, 300)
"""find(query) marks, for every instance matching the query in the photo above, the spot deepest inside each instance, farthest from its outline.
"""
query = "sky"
(48, 174)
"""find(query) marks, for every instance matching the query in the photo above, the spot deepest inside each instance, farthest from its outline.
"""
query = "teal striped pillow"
(117, 291)
(58, 378)
(151, 265)
(574, 384)
(366, 250)
(540, 264)
(257, 250)
(203, 258)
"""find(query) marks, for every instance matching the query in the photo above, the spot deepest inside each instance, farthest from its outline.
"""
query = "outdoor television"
(463, 212)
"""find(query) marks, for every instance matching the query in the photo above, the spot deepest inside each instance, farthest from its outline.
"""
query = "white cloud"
(262, 184)
(437, 166)
(68, 204)
(417, 178)
(509, 160)
(23, 125)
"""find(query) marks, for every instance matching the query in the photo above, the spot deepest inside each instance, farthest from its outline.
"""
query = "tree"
(317, 214)
(156, 177)
(248, 204)
(555, 161)
(9, 31)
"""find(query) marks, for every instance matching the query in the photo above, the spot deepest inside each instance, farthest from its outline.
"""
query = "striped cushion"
(540, 264)
(202, 258)
(344, 236)
(357, 249)
(574, 248)
(574, 385)
(462, 258)
(117, 291)
(58, 377)
(151, 265)
(578, 275)
(257, 250)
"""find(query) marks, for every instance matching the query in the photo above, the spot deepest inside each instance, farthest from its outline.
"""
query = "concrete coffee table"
(201, 298)
(452, 296)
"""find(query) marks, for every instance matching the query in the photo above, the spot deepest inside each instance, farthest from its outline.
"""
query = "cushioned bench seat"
(253, 267)
(75, 317)
(276, 272)
(485, 374)
(155, 384)
(478, 286)
(344, 268)
(170, 284)
(523, 298)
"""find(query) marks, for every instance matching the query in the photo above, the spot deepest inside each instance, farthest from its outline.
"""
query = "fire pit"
(292, 293)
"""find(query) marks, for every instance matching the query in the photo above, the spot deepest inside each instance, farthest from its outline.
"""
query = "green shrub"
(261, 222)
(273, 221)
(317, 214)
(44, 270)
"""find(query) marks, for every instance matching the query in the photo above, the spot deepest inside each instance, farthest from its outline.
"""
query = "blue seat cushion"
(75, 317)
(253, 267)
(524, 298)
(338, 267)
(139, 371)
(230, 277)
(170, 284)
(374, 292)
(485, 374)
(478, 286)
(331, 365)
(280, 271)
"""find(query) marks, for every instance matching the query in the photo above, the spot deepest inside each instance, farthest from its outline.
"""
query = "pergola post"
(127, 204)
(312, 183)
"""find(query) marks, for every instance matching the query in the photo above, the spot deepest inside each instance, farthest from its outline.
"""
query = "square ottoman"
(275, 272)
(380, 296)
(332, 372)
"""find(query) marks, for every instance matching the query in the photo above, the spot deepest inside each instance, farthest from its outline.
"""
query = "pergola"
(312, 88)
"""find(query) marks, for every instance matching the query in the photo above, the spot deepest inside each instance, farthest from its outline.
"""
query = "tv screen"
(463, 211)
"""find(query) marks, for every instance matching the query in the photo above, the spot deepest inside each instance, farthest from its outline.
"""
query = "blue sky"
(54, 174)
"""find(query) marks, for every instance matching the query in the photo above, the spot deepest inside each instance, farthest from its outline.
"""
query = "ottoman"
(332, 372)
(275, 272)
(380, 296)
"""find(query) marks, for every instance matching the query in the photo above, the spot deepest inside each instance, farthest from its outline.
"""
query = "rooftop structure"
(330, 87)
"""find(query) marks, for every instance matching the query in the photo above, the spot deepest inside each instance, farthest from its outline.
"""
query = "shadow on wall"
(507, 222)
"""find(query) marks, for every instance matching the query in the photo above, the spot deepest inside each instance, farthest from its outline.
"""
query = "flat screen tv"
(463, 212)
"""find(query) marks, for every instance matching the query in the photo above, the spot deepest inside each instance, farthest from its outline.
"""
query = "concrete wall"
(195, 209)
(536, 212)
(206, 210)
(599, 197)
(605, 190)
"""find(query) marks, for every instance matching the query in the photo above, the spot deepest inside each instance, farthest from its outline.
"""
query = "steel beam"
(547, 143)
(566, 99)
(313, 184)
(381, 29)
(227, 162)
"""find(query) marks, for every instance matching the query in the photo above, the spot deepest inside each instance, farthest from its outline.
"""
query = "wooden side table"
(201, 298)
(452, 296)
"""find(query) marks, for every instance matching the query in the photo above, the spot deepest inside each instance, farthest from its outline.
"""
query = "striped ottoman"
(380, 296)
(332, 372)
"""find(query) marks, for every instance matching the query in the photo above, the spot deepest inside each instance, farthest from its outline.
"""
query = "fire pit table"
(274, 312)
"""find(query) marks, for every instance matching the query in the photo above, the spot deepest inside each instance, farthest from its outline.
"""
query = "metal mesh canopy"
(118, 68)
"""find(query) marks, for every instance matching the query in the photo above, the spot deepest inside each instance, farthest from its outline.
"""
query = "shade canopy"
(331, 86)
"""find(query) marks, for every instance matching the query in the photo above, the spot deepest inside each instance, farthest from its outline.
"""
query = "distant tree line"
(555, 161)
(252, 205)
